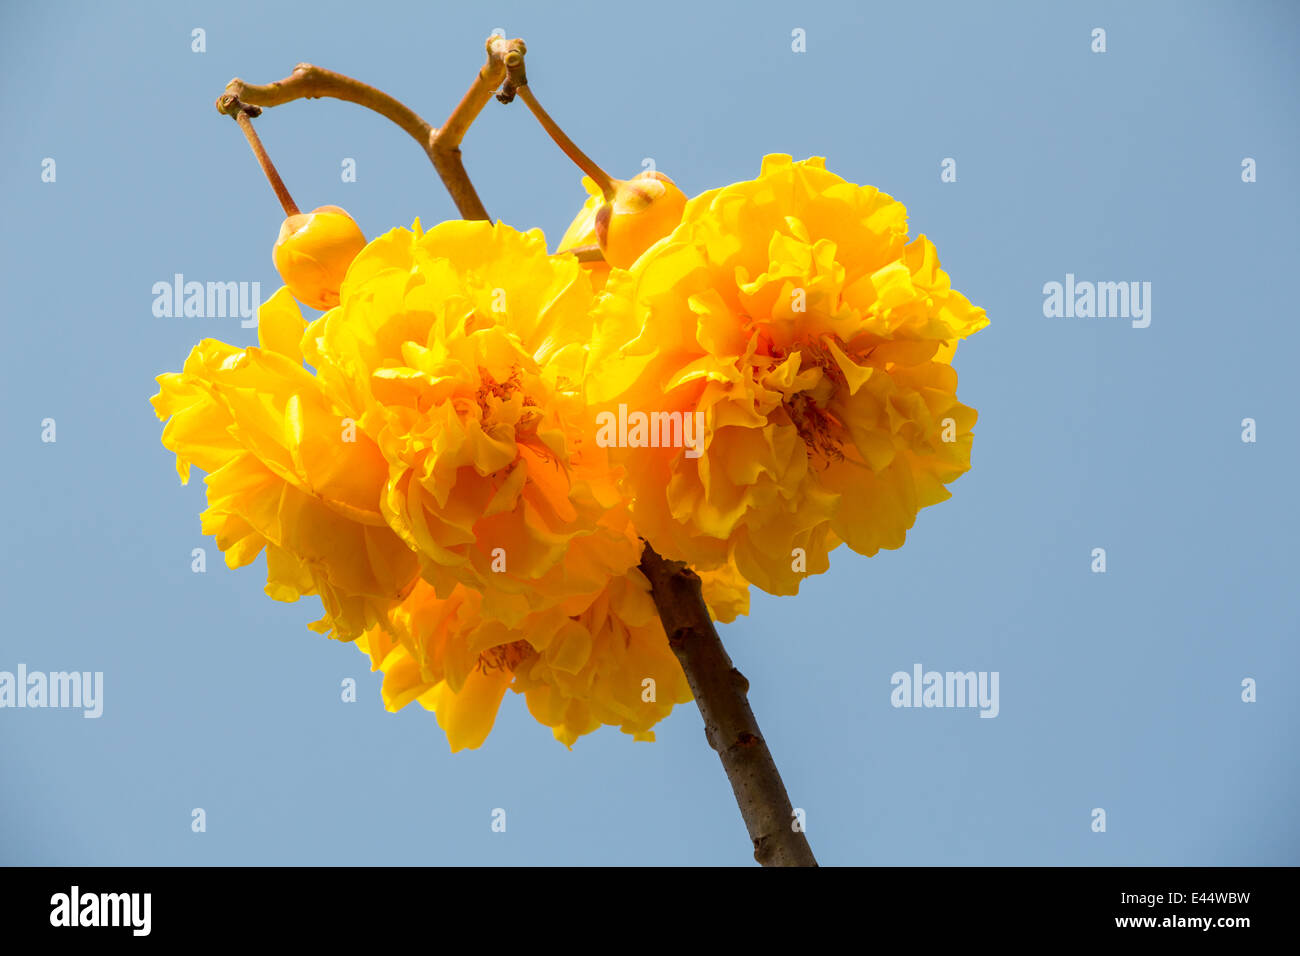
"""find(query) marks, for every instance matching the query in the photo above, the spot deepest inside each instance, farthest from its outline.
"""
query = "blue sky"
(1119, 691)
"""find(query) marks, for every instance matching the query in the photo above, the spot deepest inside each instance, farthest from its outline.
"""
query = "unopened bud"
(643, 210)
(313, 252)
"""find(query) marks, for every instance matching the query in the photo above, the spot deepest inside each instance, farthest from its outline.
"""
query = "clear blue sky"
(1119, 690)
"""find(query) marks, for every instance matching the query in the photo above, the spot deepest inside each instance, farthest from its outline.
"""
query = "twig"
(442, 146)
(243, 114)
(517, 83)
(729, 724)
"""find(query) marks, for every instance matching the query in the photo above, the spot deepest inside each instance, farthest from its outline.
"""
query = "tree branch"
(312, 82)
(445, 144)
(243, 115)
(442, 146)
(517, 84)
(729, 723)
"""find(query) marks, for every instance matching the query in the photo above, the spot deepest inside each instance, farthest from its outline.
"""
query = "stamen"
(506, 657)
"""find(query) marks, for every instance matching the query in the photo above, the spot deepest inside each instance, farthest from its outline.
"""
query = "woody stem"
(517, 83)
(442, 146)
(445, 143)
(243, 116)
(721, 692)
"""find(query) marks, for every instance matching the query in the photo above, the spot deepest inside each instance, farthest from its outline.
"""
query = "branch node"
(740, 680)
(229, 104)
(677, 639)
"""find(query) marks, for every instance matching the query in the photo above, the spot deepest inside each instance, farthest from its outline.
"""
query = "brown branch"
(517, 83)
(243, 114)
(729, 724)
(442, 146)
(313, 82)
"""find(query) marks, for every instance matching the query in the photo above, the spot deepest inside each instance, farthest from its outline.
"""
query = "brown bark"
(243, 116)
(442, 146)
(721, 692)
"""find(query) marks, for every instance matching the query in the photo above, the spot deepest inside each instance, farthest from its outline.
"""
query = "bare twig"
(312, 82)
(721, 694)
(243, 114)
(442, 146)
(517, 84)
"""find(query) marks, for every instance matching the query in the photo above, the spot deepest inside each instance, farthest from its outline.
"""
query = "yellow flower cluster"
(593, 660)
(462, 351)
(794, 313)
(286, 473)
(426, 455)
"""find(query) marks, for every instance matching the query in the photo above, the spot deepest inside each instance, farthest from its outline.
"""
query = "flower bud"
(644, 210)
(313, 252)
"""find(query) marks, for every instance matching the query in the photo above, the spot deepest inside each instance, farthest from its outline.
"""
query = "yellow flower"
(794, 313)
(313, 251)
(463, 349)
(286, 473)
(595, 660)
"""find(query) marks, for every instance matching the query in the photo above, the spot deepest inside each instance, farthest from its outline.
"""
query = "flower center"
(488, 385)
(819, 429)
(822, 432)
(506, 656)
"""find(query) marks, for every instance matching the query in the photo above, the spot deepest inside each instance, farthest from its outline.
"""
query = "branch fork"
(441, 145)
